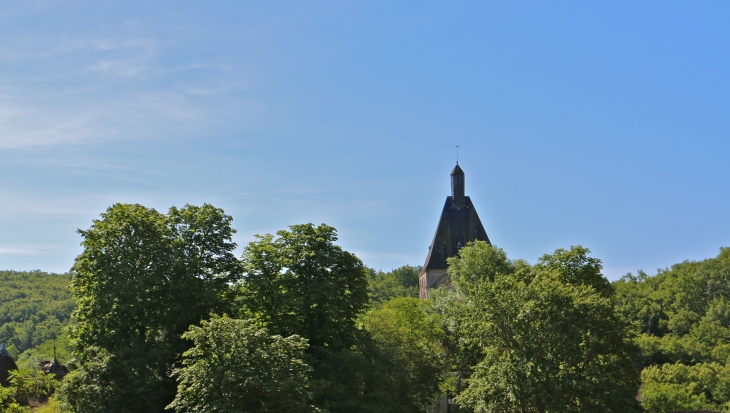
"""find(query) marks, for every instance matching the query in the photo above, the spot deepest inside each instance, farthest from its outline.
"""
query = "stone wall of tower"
(430, 279)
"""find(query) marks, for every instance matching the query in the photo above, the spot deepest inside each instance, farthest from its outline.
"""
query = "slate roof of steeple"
(457, 227)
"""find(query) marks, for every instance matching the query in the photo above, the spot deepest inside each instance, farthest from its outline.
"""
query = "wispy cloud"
(25, 124)
(14, 250)
(48, 120)
(118, 83)
(118, 68)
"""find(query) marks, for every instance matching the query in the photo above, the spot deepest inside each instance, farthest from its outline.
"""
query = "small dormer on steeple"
(457, 186)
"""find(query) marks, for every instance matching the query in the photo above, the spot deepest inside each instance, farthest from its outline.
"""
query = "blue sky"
(603, 124)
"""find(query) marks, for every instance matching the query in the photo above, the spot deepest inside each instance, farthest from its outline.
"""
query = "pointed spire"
(457, 186)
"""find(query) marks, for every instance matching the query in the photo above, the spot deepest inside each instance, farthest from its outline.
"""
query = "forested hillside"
(34, 309)
(35, 306)
(683, 317)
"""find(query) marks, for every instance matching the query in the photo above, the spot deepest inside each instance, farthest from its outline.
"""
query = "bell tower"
(459, 224)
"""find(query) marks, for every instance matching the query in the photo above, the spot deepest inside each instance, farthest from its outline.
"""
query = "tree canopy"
(683, 315)
(142, 279)
(34, 309)
(549, 336)
(237, 366)
(409, 331)
(301, 282)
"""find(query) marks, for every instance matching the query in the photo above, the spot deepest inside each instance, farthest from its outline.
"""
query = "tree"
(101, 382)
(301, 283)
(400, 282)
(25, 385)
(8, 404)
(550, 337)
(237, 366)
(142, 279)
(683, 315)
(681, 387)
(32, 384)
(410, 331)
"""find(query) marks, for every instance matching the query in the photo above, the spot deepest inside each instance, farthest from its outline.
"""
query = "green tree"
(6, 397)
(32, 384)
(681, 387)
(410, 331)
(25, 385)
(400, 282)
(101, 384)
(237, 366)
(8, 404)
(142, 279)
(675, 298)
(301, 283)
(550, 337)
(683, 315)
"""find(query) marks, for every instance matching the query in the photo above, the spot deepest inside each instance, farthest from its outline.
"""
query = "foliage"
(358, 379)
(32, 357)
(51, 407)
(237, 366)
(301, 283)
(459, 354)
(142, 279)
(681, 387)
(549, 335)
(400, 282)
(683, 314)
(34, 308)
(8, 404)
(32, 384)
(25, 385)
(677, 297)
(410, 331)
(100, 384)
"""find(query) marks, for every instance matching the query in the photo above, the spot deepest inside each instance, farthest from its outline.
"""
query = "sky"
(602, 124)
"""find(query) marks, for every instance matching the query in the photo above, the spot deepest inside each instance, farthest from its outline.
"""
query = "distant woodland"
(35, 308)
(158, 313)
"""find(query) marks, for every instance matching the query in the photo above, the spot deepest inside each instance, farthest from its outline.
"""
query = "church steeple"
(459, 225)
(457, 186)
